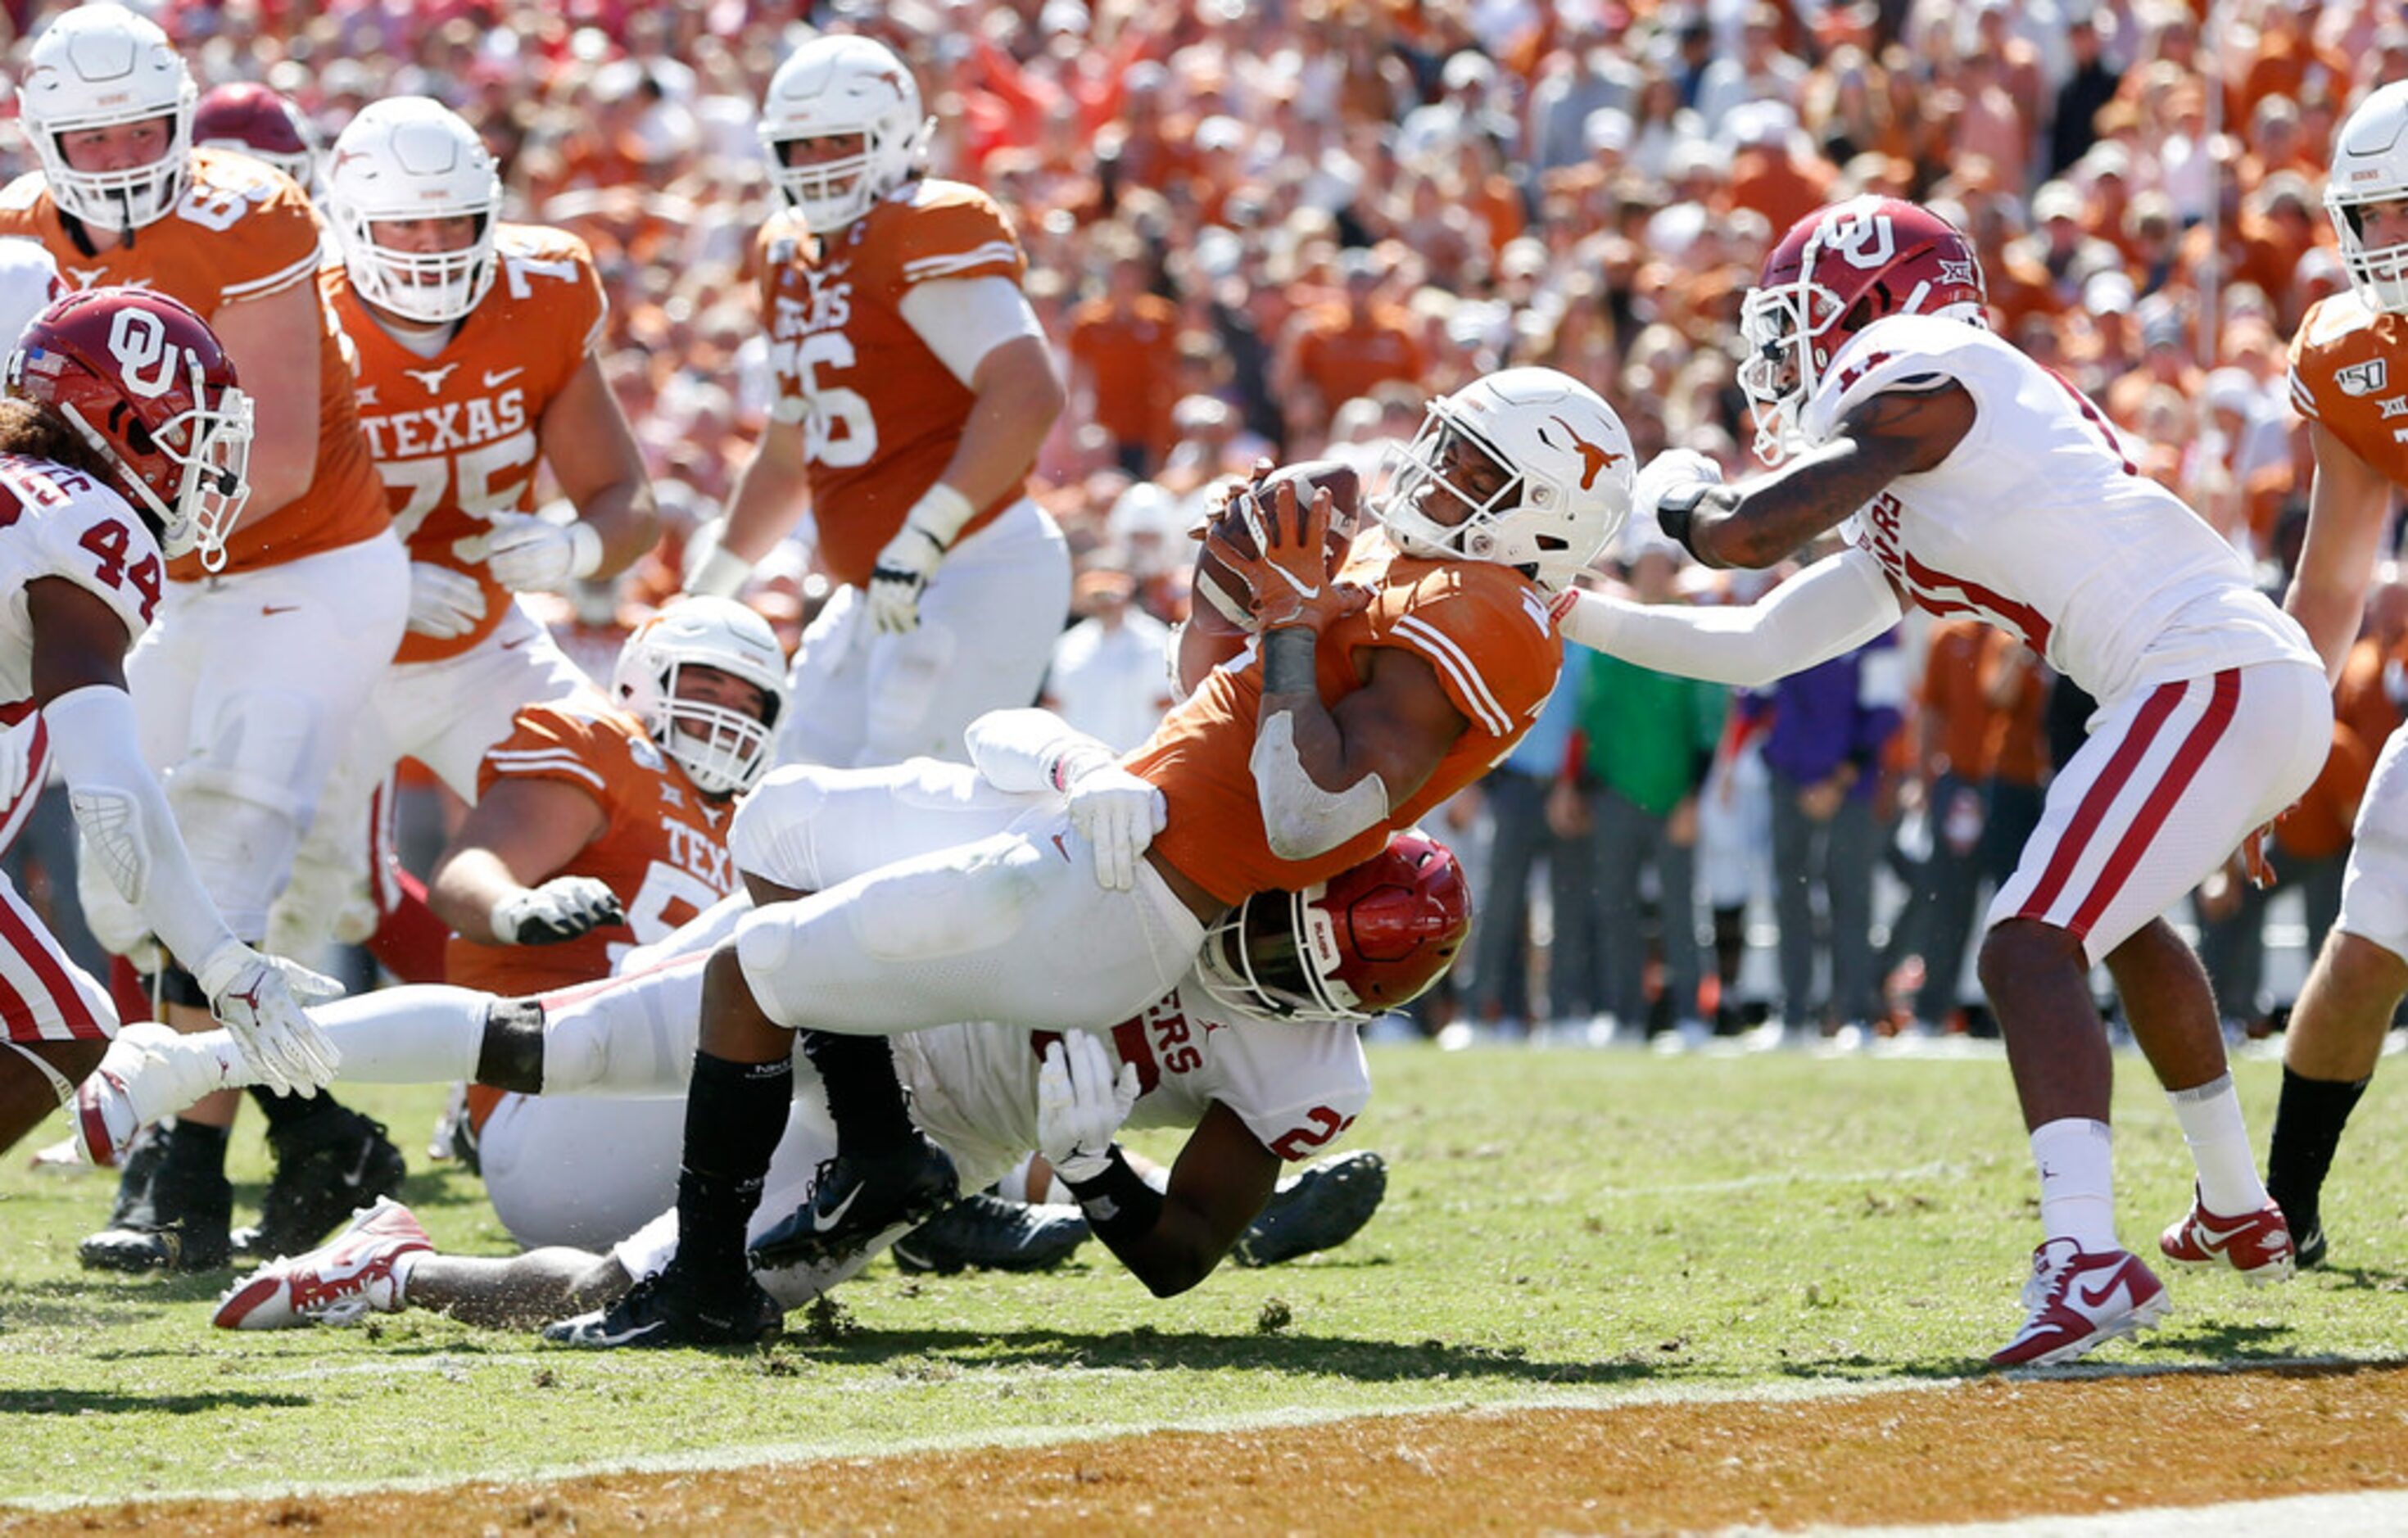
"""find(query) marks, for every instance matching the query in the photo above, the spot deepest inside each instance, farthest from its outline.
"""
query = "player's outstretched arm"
(1832, 607)
(2349, 505)
(1762, 521)
(497, 883)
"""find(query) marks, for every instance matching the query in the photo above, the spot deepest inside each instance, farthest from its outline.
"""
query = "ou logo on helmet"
(1865, 241)
(146, 359)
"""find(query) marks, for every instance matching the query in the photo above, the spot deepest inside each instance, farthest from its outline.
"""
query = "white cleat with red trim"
(2257, 1245)
(2080, 1301)
(148, 1071)
(359, 1272)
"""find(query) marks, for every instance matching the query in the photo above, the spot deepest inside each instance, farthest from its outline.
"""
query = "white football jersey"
(2039, 523)
(1296, 1085)
(55, 522)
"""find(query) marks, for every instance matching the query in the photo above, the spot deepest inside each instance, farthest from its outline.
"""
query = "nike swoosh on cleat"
(2084, 1295)
(822, 1222)
(2214, 1240)
(360, 1171)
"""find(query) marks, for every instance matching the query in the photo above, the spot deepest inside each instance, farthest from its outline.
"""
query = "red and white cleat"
(148, 1071)
(350, 1275)
(2079, 1303)
(2257, 1245)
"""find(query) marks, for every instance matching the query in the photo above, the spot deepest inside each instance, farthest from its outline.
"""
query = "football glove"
(907, 561)
(1287, 575)
(526, 553)
(1676, 475)
(1081, 1104)
(443, 603)
(259, 1000)
(561, 909)
(1118, 814)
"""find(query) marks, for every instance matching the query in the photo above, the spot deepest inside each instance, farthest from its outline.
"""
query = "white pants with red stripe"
(44, 997)
(2172, 779)
(2374, 893)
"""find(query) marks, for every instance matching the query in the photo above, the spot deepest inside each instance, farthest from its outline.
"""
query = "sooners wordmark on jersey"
(1482, 628)
(2349, 373)
(881, 413)
(455, 436)
(662, 850)
(243, 231)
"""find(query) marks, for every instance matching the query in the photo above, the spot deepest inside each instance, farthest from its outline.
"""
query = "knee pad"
(771, 834)
(636, 1037)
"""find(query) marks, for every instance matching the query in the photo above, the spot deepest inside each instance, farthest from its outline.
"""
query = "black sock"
(865, 1098)
(283, 1111)
(196, 1146)
(2308, 1120)
(735, 1113)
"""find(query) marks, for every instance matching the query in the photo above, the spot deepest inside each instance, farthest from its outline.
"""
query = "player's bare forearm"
(1019, 398)
(770, 492)
(1222, 1178)
(2348, 509)
(592, 454)
(1765, 521)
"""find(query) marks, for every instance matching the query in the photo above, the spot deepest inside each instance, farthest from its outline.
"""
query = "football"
(1221, 595)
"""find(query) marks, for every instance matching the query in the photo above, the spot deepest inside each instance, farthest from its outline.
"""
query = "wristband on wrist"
(1287, 660)
(1119, 1204)
(940, 514)
(1678, 509)
(721, 574)
(584, 549)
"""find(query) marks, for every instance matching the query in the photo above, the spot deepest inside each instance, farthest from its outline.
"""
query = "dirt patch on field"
(1987, 1450)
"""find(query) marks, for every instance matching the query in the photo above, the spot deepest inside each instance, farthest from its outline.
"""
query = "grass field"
(1562, 1228)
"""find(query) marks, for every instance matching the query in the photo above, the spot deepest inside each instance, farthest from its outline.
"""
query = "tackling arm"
(1832, 607)
(1223, 1177)
(1759, 523)
(2347, 508)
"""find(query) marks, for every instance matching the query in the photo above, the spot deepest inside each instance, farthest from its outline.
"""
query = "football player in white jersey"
(1256, 1049)
(122, 439)
(2349, 378)
(1969, 480)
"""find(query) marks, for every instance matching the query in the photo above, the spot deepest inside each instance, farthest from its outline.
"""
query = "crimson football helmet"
(263, 125)
(143, 381)
(1370, 940)
(1836, 272)
(723, 751)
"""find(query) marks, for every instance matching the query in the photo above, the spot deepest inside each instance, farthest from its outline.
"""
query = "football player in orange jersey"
(1371, 692)
(2349, 378)
(263, 650)
(476, 345)
(915, 385)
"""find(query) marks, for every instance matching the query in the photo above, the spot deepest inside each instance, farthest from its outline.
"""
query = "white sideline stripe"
(2347, 1515)
(2365, 1513)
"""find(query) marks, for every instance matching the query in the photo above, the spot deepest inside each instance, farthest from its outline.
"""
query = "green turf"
(1557, 1224)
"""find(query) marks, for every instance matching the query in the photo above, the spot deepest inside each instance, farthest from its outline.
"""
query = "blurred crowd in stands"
(1274, 228)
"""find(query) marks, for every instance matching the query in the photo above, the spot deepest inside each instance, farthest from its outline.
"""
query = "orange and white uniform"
(864, 369)
(249, 684)
(1015, 927)
(454, 439)
(2349, 374)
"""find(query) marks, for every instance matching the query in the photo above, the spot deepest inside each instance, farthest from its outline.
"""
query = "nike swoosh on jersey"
(280, 608)
(494, 378)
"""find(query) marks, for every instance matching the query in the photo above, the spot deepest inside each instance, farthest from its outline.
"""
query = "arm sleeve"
(1832, 607)
(964, 319)
(125, 819)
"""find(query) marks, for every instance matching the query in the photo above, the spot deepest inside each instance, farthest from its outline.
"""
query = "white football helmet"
(1564, 458)
(2370, 164)
(411, 157)
(838, 85)
(721, 750)
(97, 67)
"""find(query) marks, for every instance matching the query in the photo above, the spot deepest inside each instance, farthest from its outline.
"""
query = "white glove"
(443, 603)
(1080, 1104)
(1119, 814)
(1673, 470)
(526, 553)
(259, 999)
(561, 909)
(16, 760)
(904, 564)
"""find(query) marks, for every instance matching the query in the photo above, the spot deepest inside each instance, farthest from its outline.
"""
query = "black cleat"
(857, 1197)
(660, 1312)
(984, 1232)
(2308, 1247)
(327, 1167)
(1321, 1209)
(167, 1218)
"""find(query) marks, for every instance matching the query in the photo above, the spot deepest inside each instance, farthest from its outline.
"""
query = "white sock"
(2075, 1156)
(1013, 1187)
(2229, 1186)
(421, 1033)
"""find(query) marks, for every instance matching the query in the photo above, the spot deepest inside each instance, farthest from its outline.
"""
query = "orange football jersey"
(881, 413)
(1482, 627)
(2349, 371)
(243, 231)
(663, 848)
(454, 436)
